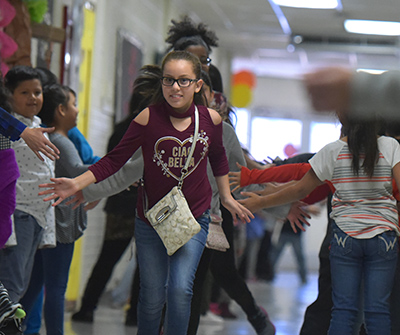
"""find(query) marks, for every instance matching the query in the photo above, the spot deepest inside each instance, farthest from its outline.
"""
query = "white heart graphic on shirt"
(160, 153)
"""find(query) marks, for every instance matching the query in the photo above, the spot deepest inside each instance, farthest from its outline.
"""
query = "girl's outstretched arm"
(63, 188)
(237, 210)
(396, 174)
(289, 194)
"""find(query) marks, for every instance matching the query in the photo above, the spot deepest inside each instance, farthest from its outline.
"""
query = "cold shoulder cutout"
(216, 118)
(143, 117)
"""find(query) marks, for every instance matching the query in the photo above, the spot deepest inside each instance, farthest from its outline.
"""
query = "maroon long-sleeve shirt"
(164, 153)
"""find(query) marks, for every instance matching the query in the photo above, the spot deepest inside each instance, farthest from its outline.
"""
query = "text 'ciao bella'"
(178, 159)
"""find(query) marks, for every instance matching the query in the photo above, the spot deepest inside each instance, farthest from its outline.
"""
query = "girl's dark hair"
(68, 89)
(362, 142)
(391, 128)
(182, 34)
(216, 78)
(47, 78)
(207, 81)
(53, 96)
(196, 65)
(145, 87)
(18, 74)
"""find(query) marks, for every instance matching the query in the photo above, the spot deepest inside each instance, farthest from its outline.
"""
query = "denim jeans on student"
(16, 262)
(374, 261)
(51, 269)
(166, 279)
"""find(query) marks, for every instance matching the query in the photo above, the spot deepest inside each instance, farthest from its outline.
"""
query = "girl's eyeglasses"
(182, 82)
(205, 61)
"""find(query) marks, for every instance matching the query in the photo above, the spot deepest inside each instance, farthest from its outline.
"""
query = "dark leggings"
(111, 252)
(225, 273)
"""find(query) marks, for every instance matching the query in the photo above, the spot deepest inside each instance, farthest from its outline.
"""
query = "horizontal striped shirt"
(362, 207)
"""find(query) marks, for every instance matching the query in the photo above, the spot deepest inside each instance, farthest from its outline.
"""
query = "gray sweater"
(70, 223)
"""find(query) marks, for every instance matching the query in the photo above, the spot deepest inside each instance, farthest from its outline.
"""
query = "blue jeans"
(51, 269)
(16, 262)
(296, 240)
(166, 279)
(33, 321)
(353, 260)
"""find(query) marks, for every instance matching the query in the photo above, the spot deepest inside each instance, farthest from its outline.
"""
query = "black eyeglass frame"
(177, 81)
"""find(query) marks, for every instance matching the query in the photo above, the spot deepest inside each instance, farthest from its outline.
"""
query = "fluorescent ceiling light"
(372, 71)
(316, 4)
(386, 28)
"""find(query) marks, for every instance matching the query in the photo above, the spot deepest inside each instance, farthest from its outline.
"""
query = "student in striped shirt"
(364, 246)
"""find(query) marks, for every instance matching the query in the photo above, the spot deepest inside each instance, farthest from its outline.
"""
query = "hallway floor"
(285, 299)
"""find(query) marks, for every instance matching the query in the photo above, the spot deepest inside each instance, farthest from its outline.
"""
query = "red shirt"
(164, 153)
(283, 174)
(288, 172)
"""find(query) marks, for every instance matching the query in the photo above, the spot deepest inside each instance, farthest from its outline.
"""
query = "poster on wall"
(129, 61)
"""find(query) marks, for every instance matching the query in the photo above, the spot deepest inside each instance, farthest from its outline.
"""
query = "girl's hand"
(297, 216)
(60, 188)
(253, 203)
(269, 188)
(234, 178)
(237, 211)
(329, 88)
(91, 205)
(76, 200)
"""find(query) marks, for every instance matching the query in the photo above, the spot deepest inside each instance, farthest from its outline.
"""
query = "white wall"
(281, 94)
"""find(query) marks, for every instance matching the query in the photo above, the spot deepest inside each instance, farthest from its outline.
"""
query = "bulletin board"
(129, 61)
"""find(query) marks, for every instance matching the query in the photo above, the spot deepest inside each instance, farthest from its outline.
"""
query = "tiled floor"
(285, 300)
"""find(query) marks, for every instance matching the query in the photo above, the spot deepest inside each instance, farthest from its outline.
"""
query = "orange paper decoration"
(244, 77)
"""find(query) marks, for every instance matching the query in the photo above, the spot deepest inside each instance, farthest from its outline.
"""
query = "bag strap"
(184, 170)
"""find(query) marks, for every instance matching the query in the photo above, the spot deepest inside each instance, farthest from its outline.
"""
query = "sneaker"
(11, 327)
(210, 317)
(83, 316)
(7, 307)
(261, 323)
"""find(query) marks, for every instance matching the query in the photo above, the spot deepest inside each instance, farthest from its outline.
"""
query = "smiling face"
(28, 98)
(180, 98)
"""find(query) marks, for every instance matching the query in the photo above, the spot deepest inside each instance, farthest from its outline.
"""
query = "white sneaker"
(210, 317)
